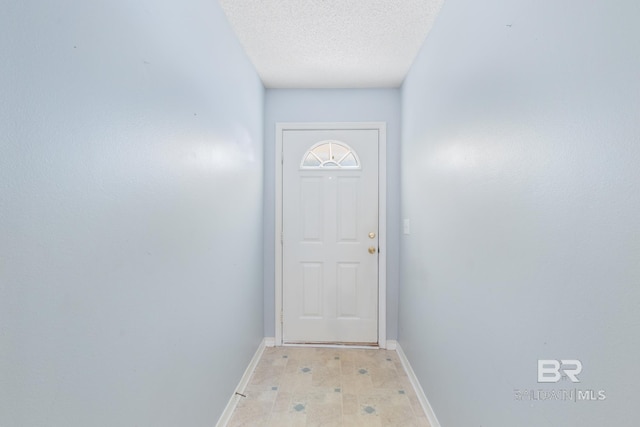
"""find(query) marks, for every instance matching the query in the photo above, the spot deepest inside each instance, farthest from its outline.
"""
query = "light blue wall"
(334, 105)
(130, 213)
(520, 154)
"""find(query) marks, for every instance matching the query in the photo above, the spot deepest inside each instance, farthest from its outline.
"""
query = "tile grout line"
(341, 392)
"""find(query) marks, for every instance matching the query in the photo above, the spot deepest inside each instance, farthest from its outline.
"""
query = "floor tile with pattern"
(305, 386)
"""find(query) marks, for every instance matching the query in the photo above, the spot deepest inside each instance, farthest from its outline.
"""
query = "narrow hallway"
(304, 386)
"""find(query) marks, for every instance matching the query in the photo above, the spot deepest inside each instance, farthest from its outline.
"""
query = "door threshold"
(370, 346)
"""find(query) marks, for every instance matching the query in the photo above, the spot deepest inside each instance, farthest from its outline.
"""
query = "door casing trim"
(381, 127)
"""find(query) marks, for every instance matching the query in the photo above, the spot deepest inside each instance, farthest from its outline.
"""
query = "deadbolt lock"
(372, 235)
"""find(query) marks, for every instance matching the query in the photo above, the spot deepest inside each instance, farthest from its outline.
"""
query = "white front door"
(330, 236)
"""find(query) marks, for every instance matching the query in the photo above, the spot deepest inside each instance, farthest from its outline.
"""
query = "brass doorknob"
(372, 250)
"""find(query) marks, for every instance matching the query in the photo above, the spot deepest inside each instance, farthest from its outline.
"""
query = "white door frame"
(381, 127)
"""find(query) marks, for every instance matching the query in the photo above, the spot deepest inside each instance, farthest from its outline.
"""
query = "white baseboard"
(391, 345)
(244, 381)
(270, 342)
(424, 402)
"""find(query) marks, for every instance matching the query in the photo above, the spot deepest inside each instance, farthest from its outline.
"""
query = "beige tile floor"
(304, 386)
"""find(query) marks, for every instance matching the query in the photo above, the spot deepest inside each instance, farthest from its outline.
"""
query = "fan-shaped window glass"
(330, 154)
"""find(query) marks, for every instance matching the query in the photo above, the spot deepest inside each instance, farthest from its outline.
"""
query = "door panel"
(311, 290)
(347, 209)
(330, 278)
(311, 208)
(347, 295)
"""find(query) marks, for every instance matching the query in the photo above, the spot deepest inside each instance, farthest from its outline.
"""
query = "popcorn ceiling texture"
(331, 43)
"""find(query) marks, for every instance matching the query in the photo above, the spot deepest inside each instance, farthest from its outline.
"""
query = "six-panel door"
(330, 241)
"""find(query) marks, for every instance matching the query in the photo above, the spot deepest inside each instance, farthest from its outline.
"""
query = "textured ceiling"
(331, 43)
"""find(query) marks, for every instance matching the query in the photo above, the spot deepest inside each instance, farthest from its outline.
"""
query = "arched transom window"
(330, 155)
